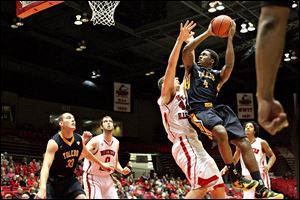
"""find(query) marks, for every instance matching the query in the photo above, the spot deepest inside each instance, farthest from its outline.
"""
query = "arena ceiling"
(140, 42)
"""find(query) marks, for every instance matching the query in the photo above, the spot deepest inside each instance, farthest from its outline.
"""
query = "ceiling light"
(294, 4)
(220, 6)
(211, 10)
(82, 45)
(84, 18)
(287, 58)
(14, 24)
(243, 30)
(77, 21)
(251, 27)
(96, 74)
(293, 56)
(78, 49)
(19, 23)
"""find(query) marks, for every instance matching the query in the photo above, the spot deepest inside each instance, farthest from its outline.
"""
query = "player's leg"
(109, 190)
(196, 193)
(92, 186)
(74, 189)
(218, 193)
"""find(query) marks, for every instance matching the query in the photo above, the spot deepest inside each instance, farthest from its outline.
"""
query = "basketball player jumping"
(61, 157)
(188, 152)
(219, 122)
(98, 183)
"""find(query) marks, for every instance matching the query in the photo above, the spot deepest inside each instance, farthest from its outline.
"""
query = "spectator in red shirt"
(31, 180)
(33, 166)
(14, 182)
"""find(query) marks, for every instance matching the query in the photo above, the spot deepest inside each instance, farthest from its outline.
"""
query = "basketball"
(220, 25)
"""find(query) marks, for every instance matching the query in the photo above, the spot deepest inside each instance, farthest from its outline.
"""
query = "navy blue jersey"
(202, 86)
(66, 158)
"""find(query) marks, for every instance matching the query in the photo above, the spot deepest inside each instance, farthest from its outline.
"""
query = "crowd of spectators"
(19, 179)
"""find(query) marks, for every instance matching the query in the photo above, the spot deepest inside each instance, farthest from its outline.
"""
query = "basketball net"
(103, 12)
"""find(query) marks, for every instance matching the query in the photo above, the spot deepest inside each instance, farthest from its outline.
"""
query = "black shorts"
(287, 3)
(63, 187)
(207, 118)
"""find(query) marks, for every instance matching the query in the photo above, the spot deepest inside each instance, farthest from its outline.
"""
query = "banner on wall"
(245, 105)
(122, 97)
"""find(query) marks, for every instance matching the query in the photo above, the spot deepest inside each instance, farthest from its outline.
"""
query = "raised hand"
(186, 30)
(86, 136)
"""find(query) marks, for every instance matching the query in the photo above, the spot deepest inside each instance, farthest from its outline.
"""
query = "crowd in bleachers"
(20, 180)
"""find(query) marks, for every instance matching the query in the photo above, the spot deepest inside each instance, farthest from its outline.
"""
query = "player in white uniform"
(261, 150)
(98, 184)
(188, 152)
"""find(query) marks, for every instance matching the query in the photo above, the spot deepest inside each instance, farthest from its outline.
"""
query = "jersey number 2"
(70, 163)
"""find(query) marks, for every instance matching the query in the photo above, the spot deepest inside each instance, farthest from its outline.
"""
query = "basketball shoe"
(265, 193)
(244, 184)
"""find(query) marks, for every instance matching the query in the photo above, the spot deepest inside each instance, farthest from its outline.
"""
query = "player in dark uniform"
(219, 122)
(61, 157)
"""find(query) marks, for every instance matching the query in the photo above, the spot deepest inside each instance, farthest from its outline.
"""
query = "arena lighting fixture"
(96, 74)
(287, 58)
(19, 22)
(215, 5)
(14, 24)
(85, 18)
(212, 7)
(78, 21)
(243, 29)
(220, 5)
(82, 44)
(293, 56)
(251, 27)
(295, 5)
(149, 73)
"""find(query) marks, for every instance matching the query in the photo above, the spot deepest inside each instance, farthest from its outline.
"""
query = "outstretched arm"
(188, 56)
(168, 89)
(270, 41)
(52, 147)
(87, 154)
(229, 57)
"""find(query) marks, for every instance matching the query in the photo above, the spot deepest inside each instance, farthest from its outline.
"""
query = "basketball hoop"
(103, 12)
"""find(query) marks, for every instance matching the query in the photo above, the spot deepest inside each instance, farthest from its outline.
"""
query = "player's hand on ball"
(232, 29)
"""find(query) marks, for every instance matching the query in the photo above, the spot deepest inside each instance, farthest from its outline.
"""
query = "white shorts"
(99, 187)
(198, 166)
